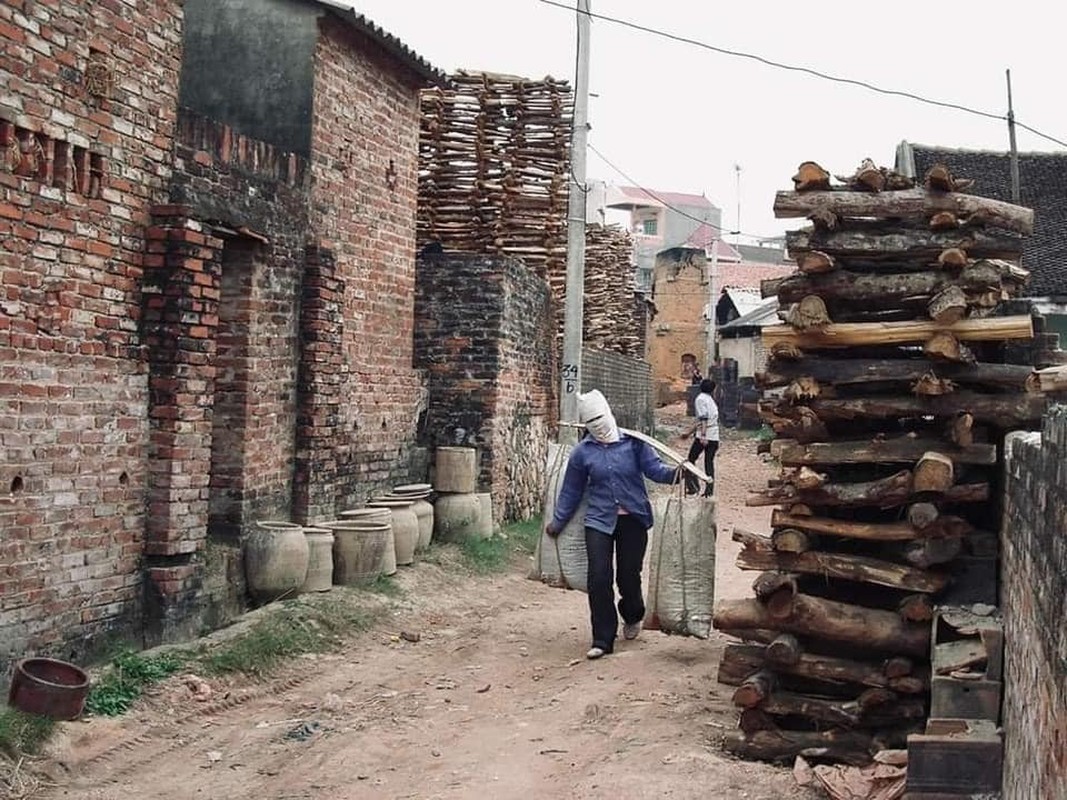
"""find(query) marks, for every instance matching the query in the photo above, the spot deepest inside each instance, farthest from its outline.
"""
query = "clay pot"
(423, 509)
(455, 517)
(320, 560)
(405, 528)
(376, 516)
(276, 561)
(48, 687)
(455, 469)
(359, 548)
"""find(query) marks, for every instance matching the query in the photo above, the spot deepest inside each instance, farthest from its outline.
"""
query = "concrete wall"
(250, 63)
(1033, 589)
(88, 99)
(747, 351)
(626, 383)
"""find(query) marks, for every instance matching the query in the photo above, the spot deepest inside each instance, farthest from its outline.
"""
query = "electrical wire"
(807, 71)
(666, 204)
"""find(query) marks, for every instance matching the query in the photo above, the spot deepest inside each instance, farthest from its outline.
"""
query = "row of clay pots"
(284, 558)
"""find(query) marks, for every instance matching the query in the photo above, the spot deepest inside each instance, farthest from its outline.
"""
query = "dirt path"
(493, 701)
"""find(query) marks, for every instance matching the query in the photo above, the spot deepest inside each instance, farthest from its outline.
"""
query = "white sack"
(681, 591)
(561, 561)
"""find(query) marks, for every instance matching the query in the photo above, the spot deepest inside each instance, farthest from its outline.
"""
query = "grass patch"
(486, 556)
(386, 585)
(23, 734)
(126, 677)
(294, 630)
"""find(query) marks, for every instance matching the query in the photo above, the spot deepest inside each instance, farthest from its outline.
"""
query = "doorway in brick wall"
(229, 426)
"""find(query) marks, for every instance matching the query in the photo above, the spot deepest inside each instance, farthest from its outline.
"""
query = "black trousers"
(628, 546)
(709, 449)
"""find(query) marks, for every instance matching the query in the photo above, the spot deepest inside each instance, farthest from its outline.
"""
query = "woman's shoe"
(595, 652)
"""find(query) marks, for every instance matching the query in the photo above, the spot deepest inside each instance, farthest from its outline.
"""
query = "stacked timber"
(493, 167)
(892, 389)
(609, 319)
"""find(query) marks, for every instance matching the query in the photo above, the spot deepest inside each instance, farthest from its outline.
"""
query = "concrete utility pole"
(713, 272)
(1014, 150)
(571, 368)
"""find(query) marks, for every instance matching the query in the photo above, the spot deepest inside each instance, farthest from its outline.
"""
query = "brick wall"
(680, 292)
(1033, 588)
(359, 437)
(87, 112)
(484, 333)
(626, 383)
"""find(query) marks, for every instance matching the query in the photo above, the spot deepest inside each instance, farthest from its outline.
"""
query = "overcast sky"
(678, 118)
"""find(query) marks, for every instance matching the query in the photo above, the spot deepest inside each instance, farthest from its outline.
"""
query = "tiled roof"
(747, 275)
(655, 197)
(1042, 187)
(762, 255)
(391, 44)
(705, 237)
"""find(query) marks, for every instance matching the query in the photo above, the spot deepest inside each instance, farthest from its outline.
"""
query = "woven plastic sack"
(681, 592)
(561, 561)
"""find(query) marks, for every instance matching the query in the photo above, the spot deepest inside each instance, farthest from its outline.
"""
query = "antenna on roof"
(1014, 159)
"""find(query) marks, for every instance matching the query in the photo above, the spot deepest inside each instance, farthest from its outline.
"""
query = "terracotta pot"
(320, 560)
(48, 687)
(423, 509)
(455, 469)
(455, 517)
(377, 516)
(276, 561)
(359, 549)
(405, 528)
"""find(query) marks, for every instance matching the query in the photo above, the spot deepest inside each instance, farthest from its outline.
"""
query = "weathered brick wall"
(1033, 588)
(484, 333)
(358, 438)
(626, 383)
(87, 111)
(220, 311)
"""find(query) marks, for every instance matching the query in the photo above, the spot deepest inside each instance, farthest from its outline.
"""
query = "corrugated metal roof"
(744, 300)
(765, 313)
(391, 44)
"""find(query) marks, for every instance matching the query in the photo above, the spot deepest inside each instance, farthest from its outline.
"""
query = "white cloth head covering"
(595, 413)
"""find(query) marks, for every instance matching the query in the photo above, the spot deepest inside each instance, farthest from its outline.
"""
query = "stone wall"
(87, 114)
(626, 383)
(484, 333)
(1033, 588)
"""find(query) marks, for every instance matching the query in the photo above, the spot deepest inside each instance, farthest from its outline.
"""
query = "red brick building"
(208, 232)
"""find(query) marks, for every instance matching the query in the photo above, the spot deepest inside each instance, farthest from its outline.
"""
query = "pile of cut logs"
(892, 390)
(610, 321)
(493, 167)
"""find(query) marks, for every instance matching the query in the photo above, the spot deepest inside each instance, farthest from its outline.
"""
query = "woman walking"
(610, 469)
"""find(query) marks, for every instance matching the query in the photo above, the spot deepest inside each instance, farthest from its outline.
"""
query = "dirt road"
(493, 701)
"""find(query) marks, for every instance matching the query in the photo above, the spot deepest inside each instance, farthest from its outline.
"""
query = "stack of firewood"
(609, 319)
(892, 390)
(493, 167)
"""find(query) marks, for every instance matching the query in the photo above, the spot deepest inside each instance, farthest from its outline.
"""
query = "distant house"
(659, 221)
(1042, 187)
(740, 339)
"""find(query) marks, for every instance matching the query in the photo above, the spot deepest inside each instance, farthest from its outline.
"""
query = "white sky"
(678, 118)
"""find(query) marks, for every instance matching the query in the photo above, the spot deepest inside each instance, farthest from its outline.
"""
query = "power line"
(666, 204)
(808, 71)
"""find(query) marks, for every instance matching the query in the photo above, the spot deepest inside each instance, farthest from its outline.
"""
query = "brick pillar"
(180, 320)
(319, 387)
